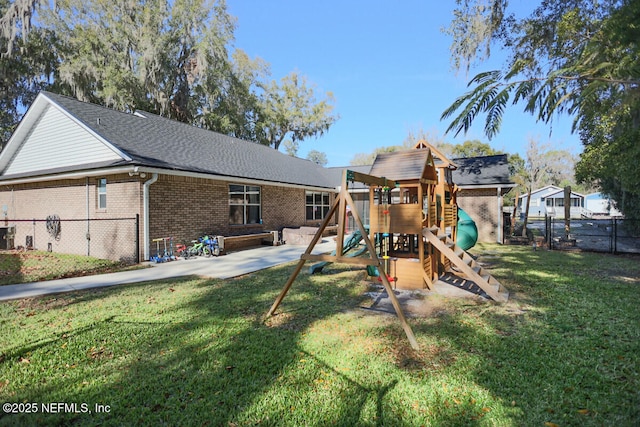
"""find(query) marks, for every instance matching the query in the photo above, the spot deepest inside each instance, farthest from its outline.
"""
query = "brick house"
(483, 182)
(86, 163)
(92, 166)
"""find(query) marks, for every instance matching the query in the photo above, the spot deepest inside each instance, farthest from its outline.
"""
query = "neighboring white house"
(598, 204)
(549, 201)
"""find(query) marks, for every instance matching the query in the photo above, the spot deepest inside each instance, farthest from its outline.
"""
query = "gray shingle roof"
(154, 141)
(473, 171)
(400, 165)
(486, 170)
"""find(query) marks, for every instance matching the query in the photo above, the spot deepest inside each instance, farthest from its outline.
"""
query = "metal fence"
(115, 239)
(612, 235)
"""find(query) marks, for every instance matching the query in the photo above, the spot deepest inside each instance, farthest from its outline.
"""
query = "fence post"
(87, 236)
(614, 235)
(547, 235)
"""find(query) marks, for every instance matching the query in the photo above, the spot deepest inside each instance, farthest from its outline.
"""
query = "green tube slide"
(467, 234)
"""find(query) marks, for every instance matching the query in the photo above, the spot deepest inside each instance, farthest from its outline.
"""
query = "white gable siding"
(56, 141)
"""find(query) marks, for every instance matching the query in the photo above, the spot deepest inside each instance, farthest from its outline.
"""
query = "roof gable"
(561, 193)
(544, 191)
(51, 139)
(411, 165)
(147, 140)
(443, 161)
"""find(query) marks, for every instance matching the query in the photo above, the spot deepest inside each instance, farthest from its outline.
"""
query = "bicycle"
(182, 251)
(205, 246)
(211, 246)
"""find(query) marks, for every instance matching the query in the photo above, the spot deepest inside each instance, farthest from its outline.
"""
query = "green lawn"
(565, 351)
(35, 266)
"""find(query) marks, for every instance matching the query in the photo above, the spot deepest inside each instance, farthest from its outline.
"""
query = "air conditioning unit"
(7, 235)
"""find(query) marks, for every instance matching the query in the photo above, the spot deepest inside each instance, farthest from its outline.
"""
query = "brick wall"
(282, 207)
(186, 208)
(75, 200)
(482, 207)
(181, 207)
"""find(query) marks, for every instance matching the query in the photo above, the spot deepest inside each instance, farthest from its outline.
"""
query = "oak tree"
(579, 57)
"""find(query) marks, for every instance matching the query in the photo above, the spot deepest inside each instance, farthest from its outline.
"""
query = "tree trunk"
(526, 213)
(512, 226)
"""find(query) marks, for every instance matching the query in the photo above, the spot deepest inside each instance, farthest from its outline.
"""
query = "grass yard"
(564, 351)
(35, 266)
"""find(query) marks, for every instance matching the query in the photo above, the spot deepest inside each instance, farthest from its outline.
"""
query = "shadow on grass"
(197, 352)
(10, 268)
(563, 351)
(204, 357)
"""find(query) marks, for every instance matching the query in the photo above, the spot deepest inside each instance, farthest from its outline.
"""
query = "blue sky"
(387, 65)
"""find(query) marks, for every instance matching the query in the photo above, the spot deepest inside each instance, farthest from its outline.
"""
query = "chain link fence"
(115, 239)
(612, 235)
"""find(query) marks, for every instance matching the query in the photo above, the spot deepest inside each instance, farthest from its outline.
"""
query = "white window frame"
(102, 193)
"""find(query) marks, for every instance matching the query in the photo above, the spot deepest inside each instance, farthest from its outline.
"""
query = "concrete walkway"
(223, 267)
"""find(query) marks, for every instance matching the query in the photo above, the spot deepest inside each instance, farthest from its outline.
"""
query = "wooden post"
(342, 215)
(313, 243)
(343, 200)
(286, 288)
(514, 214)
(383, 275)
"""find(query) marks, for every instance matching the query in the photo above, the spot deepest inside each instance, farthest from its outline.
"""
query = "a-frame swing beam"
(342, 201)
(302, 260)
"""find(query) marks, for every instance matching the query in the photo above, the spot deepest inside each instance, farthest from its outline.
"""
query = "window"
(244, 204)
(317, 205)
(102, 193)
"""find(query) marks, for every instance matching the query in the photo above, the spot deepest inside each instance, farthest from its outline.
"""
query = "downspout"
(145, 214)
(88, 234)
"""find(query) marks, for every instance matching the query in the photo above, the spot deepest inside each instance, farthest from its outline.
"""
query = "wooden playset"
(413, 222)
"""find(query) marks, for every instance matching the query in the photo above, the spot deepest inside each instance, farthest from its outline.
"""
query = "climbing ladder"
(465, 264)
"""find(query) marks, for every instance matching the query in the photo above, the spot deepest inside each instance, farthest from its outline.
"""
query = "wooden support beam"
(369, 179)
(385, 282)
(342, 202)
(396, 305)
(342, 215)
(342, 259)
(312, 245)
(363, 231)
(286, 288)
(428, 181)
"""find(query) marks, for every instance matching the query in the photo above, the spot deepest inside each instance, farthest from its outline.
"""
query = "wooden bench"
(330, 229)
(244, 240)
